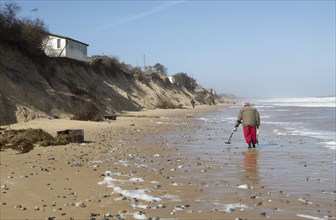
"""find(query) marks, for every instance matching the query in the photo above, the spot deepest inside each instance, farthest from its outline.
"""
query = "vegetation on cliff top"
(27, 34)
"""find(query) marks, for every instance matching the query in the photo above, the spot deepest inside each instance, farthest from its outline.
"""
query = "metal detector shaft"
(228, 142)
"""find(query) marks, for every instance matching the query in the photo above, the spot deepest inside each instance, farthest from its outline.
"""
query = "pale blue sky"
(247, 48)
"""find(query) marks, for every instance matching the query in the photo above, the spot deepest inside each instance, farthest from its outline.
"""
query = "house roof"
(60, 36)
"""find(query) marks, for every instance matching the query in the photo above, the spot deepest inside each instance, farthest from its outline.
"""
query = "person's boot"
(249, 145)
(253, 145)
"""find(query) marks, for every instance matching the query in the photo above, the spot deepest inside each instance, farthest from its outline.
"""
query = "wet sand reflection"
(251, 166)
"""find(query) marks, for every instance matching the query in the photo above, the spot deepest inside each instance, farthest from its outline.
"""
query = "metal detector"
(228, 142)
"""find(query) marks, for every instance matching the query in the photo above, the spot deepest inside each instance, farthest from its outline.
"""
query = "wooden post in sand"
(74, 135)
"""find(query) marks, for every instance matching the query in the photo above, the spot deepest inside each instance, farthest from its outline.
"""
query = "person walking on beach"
(193, 103)
(250, 119)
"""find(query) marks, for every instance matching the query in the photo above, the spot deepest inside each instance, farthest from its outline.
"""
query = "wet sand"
(128, 169)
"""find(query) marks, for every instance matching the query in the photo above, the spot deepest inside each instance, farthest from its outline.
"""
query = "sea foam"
(310, 217)
(141, 194)
(329, 144)
(329, 102)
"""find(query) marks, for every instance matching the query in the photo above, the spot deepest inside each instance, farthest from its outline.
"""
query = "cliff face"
(58, 87)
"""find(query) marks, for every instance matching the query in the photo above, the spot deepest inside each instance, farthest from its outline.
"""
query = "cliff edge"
(41, 86)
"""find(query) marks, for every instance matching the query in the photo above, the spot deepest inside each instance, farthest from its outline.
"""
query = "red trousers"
(250, 134)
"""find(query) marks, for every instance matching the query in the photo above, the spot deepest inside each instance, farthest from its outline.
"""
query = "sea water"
(290, 128)
(312, 117)
(296, 150)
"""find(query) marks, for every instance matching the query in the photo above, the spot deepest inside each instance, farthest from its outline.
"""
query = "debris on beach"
(309, 217)
(72, 135)
(110, 117)
(24, 140)
(227, 208)
(244, 186)
(140, 215)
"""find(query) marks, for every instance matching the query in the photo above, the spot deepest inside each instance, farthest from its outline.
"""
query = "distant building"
(60, 46)
(171, 79)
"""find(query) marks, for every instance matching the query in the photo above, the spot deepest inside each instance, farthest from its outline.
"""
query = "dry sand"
(115, 175)
(53, 181)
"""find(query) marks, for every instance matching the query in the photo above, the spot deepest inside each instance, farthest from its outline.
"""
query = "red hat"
(247, 104)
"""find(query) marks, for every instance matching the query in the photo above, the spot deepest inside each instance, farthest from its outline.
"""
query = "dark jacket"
(248, 116)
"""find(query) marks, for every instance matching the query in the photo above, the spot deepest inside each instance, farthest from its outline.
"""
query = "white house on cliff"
(60, 46)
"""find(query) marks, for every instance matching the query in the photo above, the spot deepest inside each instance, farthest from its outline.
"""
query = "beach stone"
(108, 215)
(80, 204)
(118, 216)
(140, 214)
(135, 200)
(255, 196)
(162, 206)
(232, 210)
(93, 215)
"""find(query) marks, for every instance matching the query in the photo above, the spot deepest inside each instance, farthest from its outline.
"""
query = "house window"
(58, 43)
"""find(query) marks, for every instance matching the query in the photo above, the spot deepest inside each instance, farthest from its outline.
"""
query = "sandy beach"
(61, 182)
(127, 170)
